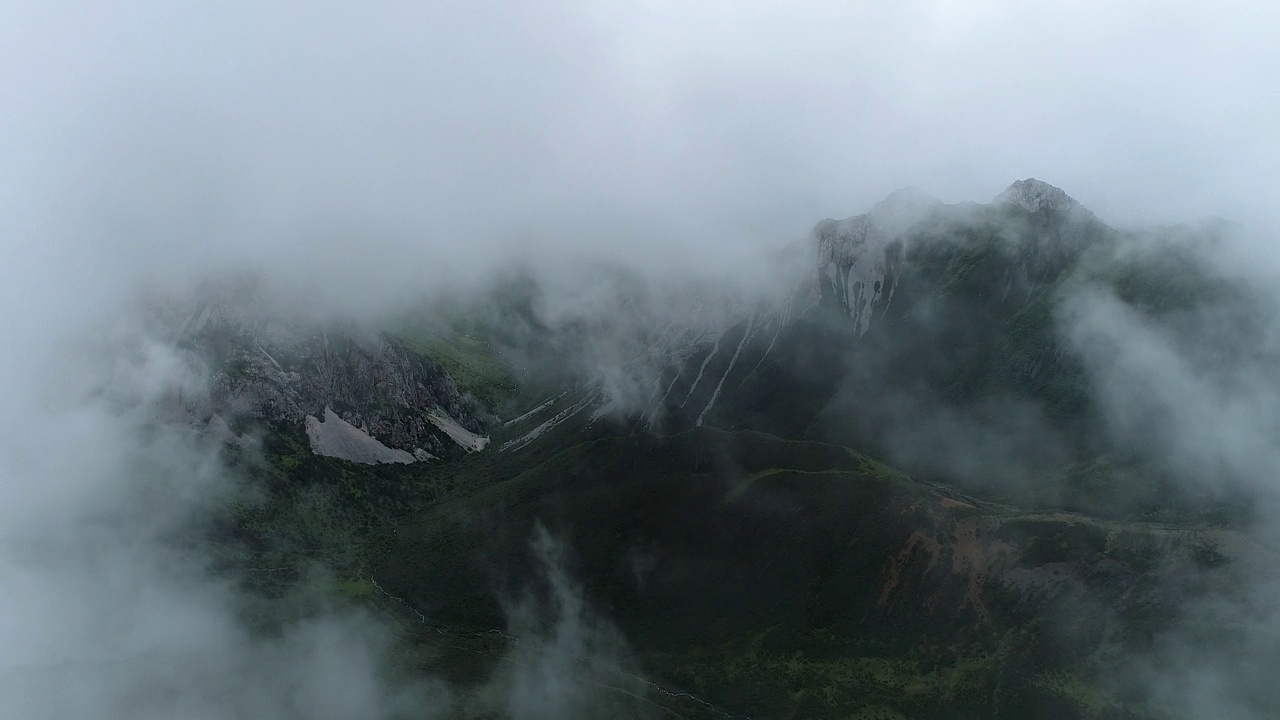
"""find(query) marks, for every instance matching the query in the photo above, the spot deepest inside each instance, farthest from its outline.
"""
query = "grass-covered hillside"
(794, 579)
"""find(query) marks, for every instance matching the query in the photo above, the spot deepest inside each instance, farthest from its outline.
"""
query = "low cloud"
(364, 157)
(1193, 386)
(111, 607)
(567, 661)
(1190, 385)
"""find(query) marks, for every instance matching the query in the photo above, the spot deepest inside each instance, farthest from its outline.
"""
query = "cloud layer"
(365, 154)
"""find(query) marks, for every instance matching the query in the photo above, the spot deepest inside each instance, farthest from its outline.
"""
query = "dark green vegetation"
(769, 564)
(777, 578)
(965, 376)
(465, 353)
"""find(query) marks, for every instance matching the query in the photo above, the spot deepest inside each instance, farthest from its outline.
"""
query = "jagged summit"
(1034, 195)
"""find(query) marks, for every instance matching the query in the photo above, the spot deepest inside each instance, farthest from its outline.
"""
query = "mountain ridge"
(881, 487)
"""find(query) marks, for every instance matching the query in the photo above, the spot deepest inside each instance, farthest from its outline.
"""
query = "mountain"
(881, 486)
(342, 382)
(1033, 195)
(929, 294)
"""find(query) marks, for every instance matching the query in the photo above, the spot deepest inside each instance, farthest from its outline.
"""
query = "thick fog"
(1196, 392)
(397, 140)
(364, 154)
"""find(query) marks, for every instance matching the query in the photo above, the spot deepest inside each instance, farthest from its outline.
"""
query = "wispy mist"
(109, 609)
(1192, 388)
(386, 145)
(364, 156)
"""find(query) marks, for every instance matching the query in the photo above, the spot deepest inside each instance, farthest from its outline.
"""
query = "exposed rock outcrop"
(270, 366)
(335, 437)
(1035, 195)
(856, 266)
(859, 260)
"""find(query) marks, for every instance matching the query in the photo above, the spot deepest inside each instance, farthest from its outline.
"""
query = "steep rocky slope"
(929, 291)
(266, 365)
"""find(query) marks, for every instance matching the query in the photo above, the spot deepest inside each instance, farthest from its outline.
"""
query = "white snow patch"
(604, 410)
(545, 426)
(337, 438)
(653, 414)
(746, 335)
(781, 322)
(456, 432)
(545, 404)
(715, 349)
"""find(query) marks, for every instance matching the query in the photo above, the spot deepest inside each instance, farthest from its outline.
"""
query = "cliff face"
(912, 296)
(268, 366)
(1034, 229)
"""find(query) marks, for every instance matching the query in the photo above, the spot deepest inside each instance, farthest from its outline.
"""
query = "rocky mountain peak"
(1034, 195)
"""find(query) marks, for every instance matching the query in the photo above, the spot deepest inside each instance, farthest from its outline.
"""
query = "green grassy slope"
(470, 359)
(791, 579)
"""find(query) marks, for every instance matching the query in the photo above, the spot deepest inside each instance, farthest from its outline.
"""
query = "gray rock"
(268, 365)
(1035, 195)
(337, 438)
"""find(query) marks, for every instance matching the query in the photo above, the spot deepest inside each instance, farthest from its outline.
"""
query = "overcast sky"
(168, 133)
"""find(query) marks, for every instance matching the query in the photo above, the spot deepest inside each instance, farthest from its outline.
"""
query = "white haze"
(1199, 394)
(362, 153)
(374, 145)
